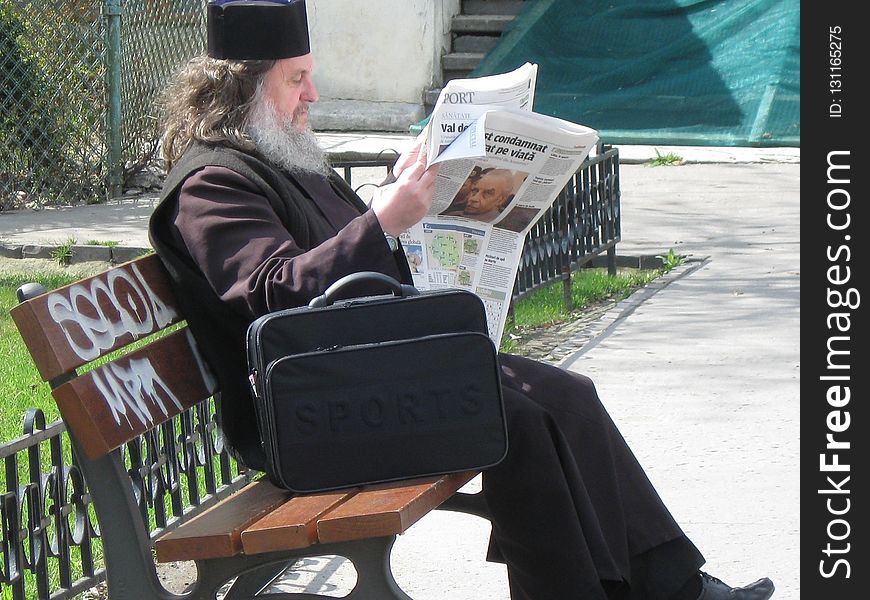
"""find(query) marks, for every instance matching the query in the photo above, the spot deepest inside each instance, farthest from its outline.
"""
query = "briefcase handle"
(335, 291)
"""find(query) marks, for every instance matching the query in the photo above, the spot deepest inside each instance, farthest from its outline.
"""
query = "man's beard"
(292, 148)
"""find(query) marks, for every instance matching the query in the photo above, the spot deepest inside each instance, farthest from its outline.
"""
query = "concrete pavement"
(703, 377)
(700, 372)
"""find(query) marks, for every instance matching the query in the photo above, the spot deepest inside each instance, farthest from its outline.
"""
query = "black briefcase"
(376, 388)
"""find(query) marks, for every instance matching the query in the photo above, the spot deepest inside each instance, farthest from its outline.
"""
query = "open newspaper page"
(495, 181)
(462, 101)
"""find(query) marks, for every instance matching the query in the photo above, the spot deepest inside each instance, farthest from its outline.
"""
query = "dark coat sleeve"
(249, 256)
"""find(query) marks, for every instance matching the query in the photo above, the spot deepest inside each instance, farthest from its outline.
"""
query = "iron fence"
(78, 84)
(582, 223)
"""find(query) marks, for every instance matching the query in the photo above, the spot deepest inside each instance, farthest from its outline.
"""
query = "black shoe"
(716, 589)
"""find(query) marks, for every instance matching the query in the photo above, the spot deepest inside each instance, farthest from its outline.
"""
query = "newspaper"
(497, 177)
(462, 101)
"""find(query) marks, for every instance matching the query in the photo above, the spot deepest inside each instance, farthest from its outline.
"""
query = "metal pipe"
(112, 14)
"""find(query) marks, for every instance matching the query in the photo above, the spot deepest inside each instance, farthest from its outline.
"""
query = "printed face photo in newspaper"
(485, 193)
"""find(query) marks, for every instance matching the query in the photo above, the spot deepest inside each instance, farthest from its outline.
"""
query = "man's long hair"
(209, 101)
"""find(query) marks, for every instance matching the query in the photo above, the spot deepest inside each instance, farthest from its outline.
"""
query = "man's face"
(289, 86)
(488, 192)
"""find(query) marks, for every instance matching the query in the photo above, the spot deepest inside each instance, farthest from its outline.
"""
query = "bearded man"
(253, 220)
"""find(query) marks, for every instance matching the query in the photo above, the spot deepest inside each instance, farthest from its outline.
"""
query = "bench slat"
(216, 533)
(263, 518)
(73, 325)
(120, 400)
(293, 524)
(388, 509)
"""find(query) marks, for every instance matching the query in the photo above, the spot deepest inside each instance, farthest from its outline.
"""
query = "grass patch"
(671, 260)
(669, 159)
(64, 252)
(107, 243)
(589, 288)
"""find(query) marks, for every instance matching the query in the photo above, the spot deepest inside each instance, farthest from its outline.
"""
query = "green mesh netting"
(691, 72)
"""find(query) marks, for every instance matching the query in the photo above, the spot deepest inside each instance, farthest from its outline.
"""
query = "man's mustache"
(301, 110)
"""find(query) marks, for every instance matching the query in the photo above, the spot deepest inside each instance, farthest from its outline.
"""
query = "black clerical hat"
(257, 29)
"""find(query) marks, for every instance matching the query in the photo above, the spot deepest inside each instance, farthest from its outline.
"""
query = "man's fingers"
(428, 176)
(402, 164)
(421, 155)
(408, 158)
(414, 171)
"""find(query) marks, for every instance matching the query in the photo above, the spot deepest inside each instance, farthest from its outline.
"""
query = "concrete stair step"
(475, 32)
(475, 43)
(480, 24)
(492, 7)
(460, 61)
(456, 74)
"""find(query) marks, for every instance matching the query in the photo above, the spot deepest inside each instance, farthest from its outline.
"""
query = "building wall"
(374, 59)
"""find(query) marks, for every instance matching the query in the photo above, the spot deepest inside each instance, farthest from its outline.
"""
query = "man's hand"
(412, 155)
(403, 203)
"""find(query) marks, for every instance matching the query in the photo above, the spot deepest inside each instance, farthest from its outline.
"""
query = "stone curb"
(77, 254)
(631, 261)
(10, 250)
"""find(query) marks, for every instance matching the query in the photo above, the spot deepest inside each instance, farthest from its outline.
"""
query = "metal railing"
(582, 223)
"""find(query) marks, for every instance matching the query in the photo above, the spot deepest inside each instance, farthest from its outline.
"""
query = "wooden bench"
(255, 531)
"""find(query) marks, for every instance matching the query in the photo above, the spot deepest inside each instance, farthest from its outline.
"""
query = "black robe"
(573, 513)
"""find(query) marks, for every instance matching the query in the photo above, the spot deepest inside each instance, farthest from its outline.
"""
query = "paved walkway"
(701, 372)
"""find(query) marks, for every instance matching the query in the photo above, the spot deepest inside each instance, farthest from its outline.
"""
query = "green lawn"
(20, 385)
(589, 288)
